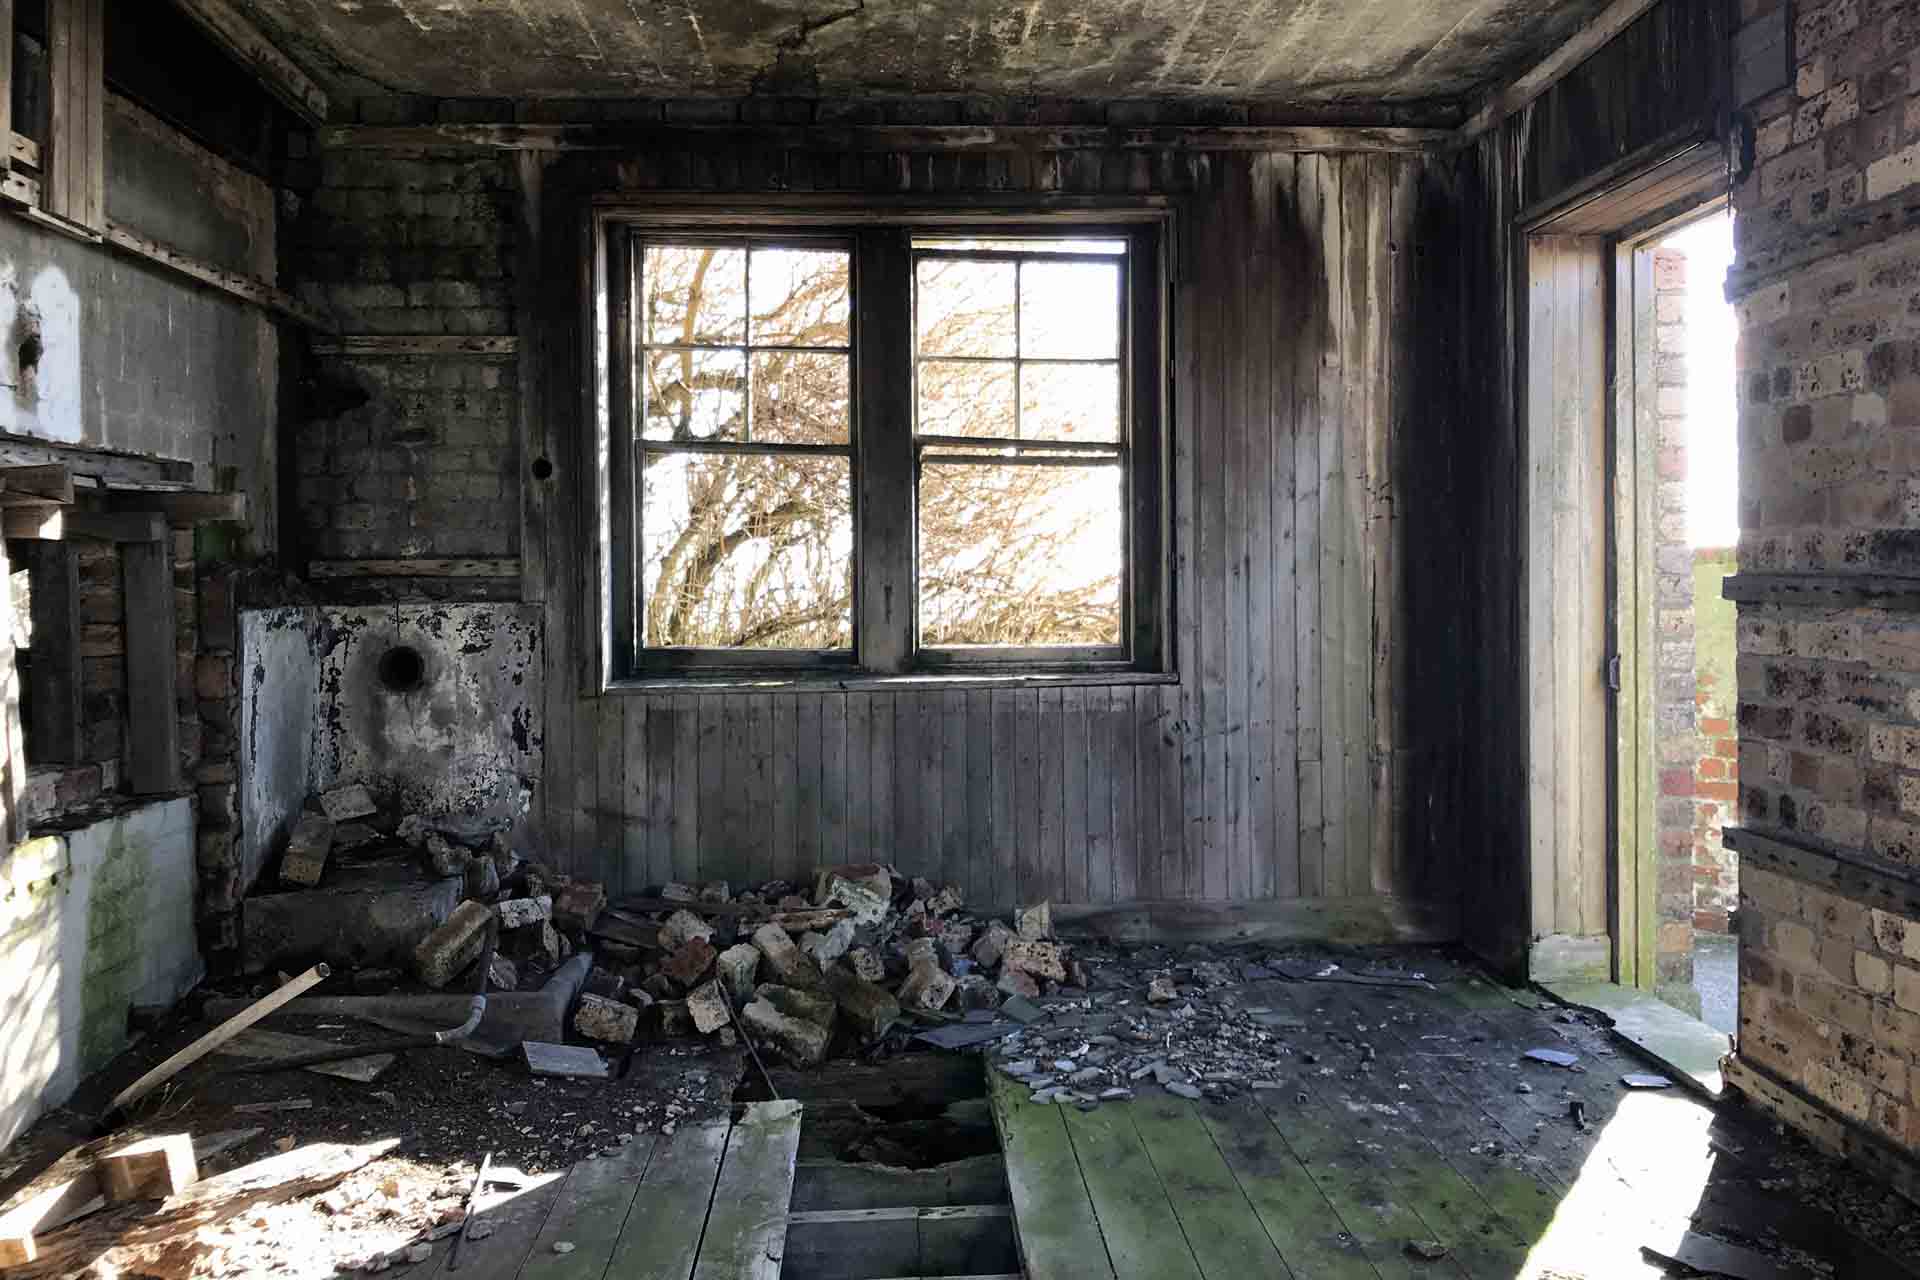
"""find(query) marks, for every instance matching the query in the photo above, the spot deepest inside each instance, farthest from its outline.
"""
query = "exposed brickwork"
(59, 791)
(409, 457)
(1829, 712)
(1676, 735)
(1830, 1000)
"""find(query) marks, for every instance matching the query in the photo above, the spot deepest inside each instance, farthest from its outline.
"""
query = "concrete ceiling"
(1307, 52)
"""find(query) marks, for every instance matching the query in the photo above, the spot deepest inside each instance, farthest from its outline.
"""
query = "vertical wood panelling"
(1268, 770)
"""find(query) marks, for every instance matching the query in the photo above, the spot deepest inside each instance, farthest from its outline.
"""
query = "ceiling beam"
(281, 76)
(898, 138)
(1586, 42)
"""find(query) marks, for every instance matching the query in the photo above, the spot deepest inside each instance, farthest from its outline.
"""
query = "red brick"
(1712, 768)
(1725, 792)
(1715, 727)
(1728, 748)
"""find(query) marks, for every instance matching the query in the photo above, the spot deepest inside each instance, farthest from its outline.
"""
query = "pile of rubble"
(864, 953)
(860, 956)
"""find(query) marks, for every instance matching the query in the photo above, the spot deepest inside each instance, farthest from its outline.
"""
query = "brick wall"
(1676, 733)
(1716, 868)
(415, 456)
(57, 793)
(1828, 279)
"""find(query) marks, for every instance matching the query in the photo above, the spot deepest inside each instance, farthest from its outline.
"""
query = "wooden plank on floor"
(1052, 1211)
(747, 1226)
(1339, 1167)
(1303, 1225)
(1688, 1048)
(1222, 1229)
(661, 1237)
(1143, 1237)
(516, 1217)
(589, 1214)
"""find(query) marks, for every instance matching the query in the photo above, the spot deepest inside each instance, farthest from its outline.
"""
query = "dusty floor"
(448, 1108)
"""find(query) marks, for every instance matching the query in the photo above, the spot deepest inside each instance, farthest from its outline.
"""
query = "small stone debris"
(1426, 1250)
(563, 1246)
(1552, 1057)
(1645, 1080)
(1162, 991)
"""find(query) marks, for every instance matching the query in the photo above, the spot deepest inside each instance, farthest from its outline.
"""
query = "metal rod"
(473, 1195)
(748, 1041)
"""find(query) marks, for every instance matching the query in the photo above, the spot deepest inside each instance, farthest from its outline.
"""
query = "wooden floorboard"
(516, 1218)
(661, 1237)
(1143, 1236)
(1227, 1240)
(589, 1215)
(1060, 1238)
(747, 1225)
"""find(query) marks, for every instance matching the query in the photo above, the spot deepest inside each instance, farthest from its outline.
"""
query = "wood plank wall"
(1662, 79)
(1287, 762)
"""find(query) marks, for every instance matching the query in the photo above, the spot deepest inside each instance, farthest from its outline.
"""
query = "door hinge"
(1613, 673)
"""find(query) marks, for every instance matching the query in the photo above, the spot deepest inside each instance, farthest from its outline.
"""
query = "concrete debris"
(456, 944)
(786, 961)
(797, 1003)
(867, 964)
(1041, 959)
(307, 850)
(827, 947)
(503, 975)
(609, 1021)
(801, 1042)
(710, 1007)
(578, 905)
(869, 1007)
(682, 925)
(1162, 991)
(446, 858)
(344, 804)
(867, 897)
(737, 967)
(1034, 923)
(518, 913)
(483, 879)
(690, 962)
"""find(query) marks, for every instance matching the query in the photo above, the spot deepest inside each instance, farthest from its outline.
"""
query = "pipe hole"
(402, 669)
(542, 468)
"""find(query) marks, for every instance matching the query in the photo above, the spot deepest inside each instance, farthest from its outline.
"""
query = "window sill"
(848, 682)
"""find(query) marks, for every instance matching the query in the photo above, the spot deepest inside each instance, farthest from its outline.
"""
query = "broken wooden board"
(149, 1168)
(1688, 1048)
(69, 1188)
(563, 1060)
(259, 1045)
(135, 1239)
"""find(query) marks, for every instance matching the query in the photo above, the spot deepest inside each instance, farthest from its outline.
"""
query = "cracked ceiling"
(1326, 53)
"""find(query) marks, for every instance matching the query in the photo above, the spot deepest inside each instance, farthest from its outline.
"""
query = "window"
(883, 450)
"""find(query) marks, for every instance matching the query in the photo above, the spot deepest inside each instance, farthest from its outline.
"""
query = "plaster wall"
(92, 923)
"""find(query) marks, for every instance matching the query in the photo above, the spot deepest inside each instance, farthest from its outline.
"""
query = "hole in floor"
(899, 1171)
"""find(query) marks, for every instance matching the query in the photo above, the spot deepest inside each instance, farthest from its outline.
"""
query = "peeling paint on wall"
(433, 706)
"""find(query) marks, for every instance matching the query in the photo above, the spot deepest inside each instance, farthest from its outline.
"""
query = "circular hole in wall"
(542, 468)
(402, 669)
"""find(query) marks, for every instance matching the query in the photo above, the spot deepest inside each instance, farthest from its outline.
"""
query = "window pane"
(746, 552)
(1020, 555)
(965, 308)
(799, 297)
(1070, 310)
(694, 294)
(1022, 246)
(1070, 402)
(800, 397)
(695, 395)
(962, 398)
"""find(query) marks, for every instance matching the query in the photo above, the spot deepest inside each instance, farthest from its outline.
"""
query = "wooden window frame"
(884, 458)
(60, 180)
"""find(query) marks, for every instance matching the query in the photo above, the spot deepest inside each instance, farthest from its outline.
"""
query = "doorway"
(1677, 455)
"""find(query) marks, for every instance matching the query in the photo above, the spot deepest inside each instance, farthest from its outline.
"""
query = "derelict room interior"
(846, 641)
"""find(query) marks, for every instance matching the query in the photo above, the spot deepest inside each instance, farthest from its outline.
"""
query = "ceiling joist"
(1586, 42)
(281, 76)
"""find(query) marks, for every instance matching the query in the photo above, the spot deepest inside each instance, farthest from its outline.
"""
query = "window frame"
(884, 461)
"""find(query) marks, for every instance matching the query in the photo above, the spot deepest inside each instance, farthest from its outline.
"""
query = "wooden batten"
(449, 346)
(153, 737)
(507, 568)
(73, 189)
(183, 508)
(58, 728)
(45, 483)
(1552, 69)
